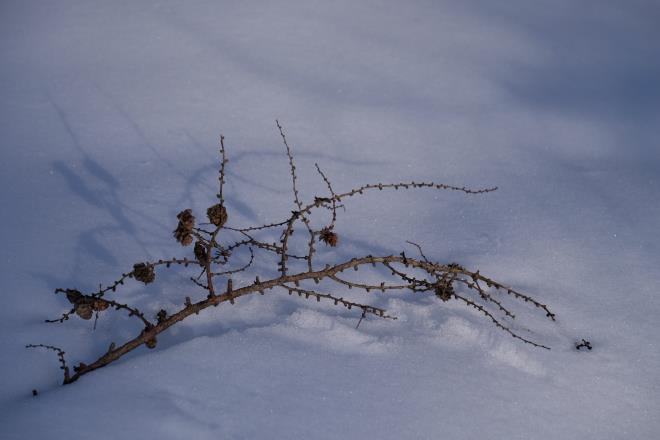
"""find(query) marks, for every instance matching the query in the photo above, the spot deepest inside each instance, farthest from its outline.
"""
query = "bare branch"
(214, 252)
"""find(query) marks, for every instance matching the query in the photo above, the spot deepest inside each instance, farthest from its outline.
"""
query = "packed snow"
(110, 118)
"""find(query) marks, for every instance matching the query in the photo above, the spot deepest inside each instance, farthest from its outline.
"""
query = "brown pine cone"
(144, 272)
(84, 310)
(182, 233)
(200, 253)
(217, 215)
(328, 237)
(444, 291)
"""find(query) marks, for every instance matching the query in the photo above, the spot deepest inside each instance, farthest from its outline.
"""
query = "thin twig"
(60, 356)
(337, 300)
(333, 199)
(221, 174)
(301, 214)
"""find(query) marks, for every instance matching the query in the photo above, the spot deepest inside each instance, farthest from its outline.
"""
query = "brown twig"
(299, 213)
(332, 200)
(232, 294)
(60, 356)
(337, 300)
(221, 172)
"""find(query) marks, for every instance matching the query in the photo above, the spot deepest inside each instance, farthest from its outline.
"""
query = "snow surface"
(110, 116)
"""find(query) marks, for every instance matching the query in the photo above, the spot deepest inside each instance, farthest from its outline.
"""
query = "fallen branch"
(213, 257)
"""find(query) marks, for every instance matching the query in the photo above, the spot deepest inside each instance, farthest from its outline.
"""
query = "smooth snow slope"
(109, 120)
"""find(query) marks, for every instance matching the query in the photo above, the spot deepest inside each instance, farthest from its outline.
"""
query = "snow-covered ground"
(110, 113)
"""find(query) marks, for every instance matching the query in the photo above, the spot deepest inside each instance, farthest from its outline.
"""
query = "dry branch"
(217, 261)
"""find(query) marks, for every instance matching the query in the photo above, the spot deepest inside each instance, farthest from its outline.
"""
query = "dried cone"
(73, 296)
(183, 231)
(217, 215)
(444, 291)
(100, 305)
(84, 310)
(144, 272)
(328, 237)
(200, 253)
